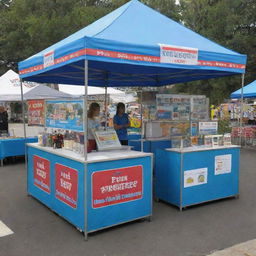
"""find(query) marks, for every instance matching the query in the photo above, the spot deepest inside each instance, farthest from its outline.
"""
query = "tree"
(229, 23)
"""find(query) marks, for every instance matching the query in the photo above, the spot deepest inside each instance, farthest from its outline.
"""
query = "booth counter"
(195, 175)
(109, 188)
(14, 147)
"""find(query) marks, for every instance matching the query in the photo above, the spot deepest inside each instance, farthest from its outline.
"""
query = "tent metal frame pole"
(141, 120)
(106, 105)
(85, 148)
(241, 109)
(24, 127)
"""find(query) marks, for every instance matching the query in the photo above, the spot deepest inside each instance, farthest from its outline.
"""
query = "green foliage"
(231, 24)
(224, 127)
(29, 26)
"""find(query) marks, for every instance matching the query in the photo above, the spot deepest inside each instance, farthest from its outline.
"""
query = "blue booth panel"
(190, 178)
(116, 191)
(14, 147)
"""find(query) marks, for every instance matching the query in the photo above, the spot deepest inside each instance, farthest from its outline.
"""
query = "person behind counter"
(121, 123)
(3, 121)
(93, 124)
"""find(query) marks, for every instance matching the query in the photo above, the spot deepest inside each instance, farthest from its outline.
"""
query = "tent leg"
(241, 110)
(85, 145)
(141, 122)
(24, 128)
(106, 106)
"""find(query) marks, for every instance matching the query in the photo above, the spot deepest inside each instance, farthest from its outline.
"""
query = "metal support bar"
(106, 106)
(24, 127)
(85, 147)
(141, 120)
(241, 110)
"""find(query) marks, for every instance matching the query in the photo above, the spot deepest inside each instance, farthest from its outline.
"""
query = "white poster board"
(195, 177)
(107, 140)
(222, 164)
(208, 128)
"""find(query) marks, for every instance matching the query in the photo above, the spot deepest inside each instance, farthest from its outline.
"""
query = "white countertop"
(199, 148)
(93, 157)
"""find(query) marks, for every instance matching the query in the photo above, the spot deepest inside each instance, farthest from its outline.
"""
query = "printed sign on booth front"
(66, 185)
(42, 173)
(117, 186)
(178, 55)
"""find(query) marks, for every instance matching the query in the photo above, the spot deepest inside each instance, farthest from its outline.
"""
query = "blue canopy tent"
(130, 47)
(249, 91)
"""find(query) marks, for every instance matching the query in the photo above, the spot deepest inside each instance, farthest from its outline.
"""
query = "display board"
(199, 107)
(107, 140)
(173, 107)
(36, 112)
(64, 114)
(208, 128)
(177, 107)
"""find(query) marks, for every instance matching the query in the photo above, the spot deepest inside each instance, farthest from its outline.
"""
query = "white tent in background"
(115, 95)
(10, 89)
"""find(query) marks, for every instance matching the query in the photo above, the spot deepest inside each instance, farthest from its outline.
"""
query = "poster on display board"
(195, 177)
(199, 107)
(42, 173)
(111, 187)
(223, 164)
(172, 107)
(36, 112)
(107, 140)
(208, 128)
(63, 114)
(66, 184)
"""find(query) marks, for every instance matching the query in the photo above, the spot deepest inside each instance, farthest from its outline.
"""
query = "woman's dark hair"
(93, 107)
(119, 105)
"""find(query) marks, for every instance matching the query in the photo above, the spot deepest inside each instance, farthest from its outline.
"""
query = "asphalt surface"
(196, 231)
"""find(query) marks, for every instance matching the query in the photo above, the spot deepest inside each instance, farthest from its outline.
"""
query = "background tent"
(132, 46)
(249, 91)
(114, 94)
(10, 89)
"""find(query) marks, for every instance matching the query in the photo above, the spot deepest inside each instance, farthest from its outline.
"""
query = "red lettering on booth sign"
(116, 186)
(66, 184)
(42, 173)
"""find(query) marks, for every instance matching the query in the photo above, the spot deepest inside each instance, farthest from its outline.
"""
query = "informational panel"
(42, 173)
(223, 164)
(208, 128)
(199, 107)
(107, 140)
(177, 107)
(173, 107)
(36, 112)
(66, 185)
(111, 187)
(65, 114)
(195, 177)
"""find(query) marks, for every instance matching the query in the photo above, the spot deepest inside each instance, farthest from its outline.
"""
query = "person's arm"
(117, 126)
(128, 123)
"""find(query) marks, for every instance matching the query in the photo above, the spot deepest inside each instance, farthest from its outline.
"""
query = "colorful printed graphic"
(117, 186)
(66, 185)
(195, 177)
(42, 173)
(65, 114)
(36, 112)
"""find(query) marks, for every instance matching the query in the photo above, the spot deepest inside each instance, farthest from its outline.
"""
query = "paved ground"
(243, 249)
(197, 231)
